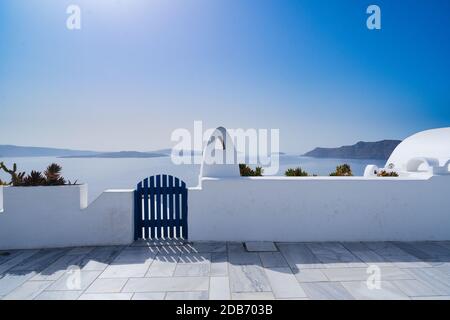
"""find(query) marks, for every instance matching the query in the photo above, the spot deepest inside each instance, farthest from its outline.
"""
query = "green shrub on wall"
(246, 171)
(343, 170)
(297, 172)
(384, 173)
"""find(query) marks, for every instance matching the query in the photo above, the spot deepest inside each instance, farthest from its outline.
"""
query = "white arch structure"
(426, 164)
(219, 163)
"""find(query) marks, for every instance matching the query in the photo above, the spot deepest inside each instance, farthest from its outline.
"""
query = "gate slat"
(158, 206)
(146, 213)
(137, 212)
(184, 211)
(164, 208)
(152, 207)
(171, 217)
(177, 208)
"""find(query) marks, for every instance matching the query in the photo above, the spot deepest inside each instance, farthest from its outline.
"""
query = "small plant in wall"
(34, 179)
(16, 177)
(343, 170)
(246, 171)
(51, 177)
(297, 172)
(384, 173)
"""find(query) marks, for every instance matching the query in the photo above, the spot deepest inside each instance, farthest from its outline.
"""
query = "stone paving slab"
(106, 296)
(326, 291)
(149, 296)
(260, 246)
(176, 284)
(149, 270)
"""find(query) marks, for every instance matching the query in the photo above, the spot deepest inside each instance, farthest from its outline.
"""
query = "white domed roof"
(430, 144)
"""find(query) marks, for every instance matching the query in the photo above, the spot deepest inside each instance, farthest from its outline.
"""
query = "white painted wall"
(320, 209)
(40, 217)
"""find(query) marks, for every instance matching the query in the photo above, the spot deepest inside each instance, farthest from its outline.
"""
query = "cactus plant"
(16, 178)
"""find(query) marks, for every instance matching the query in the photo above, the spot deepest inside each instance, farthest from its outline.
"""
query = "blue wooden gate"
(160, 206)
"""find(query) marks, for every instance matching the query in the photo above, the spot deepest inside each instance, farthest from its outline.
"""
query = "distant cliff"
(12, 151)
(361, 150)
(19, 151)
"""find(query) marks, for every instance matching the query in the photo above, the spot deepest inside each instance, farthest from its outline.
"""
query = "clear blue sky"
(139, 69)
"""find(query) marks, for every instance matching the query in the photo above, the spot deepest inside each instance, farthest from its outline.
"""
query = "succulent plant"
(246, 171)
(53, 175)
(35, 178)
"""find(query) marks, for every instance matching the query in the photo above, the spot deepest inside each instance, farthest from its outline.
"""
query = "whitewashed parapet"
(320, 209)
(40, 217)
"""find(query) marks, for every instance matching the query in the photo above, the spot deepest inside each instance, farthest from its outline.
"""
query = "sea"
(124, 173)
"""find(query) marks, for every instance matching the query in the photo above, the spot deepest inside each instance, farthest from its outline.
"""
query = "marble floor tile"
(219, 288)
(192, 270)
(28, 290)
(415, 288)
(16, 259)
(310, 275)
(106, 296)
(284, 284)
(299, 256)
(248, 278)
(163, 266)
(387, 291)
(219, 264)
(167, 284)
(260, 246)
(209, 247)
(59, 295)
(335, 255)
(39, 261)
(75, 280)
(12, 280)
(326, 291)
(55, 270)
(439, 281)
(149, 296)
(252, 296)
(194, 295)
(126, 270)
(107, 285)
(355, 274)
(273, 260)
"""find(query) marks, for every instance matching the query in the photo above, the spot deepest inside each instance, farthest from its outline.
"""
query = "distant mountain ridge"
(380, 150)
(20, 151)
(121, 154)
